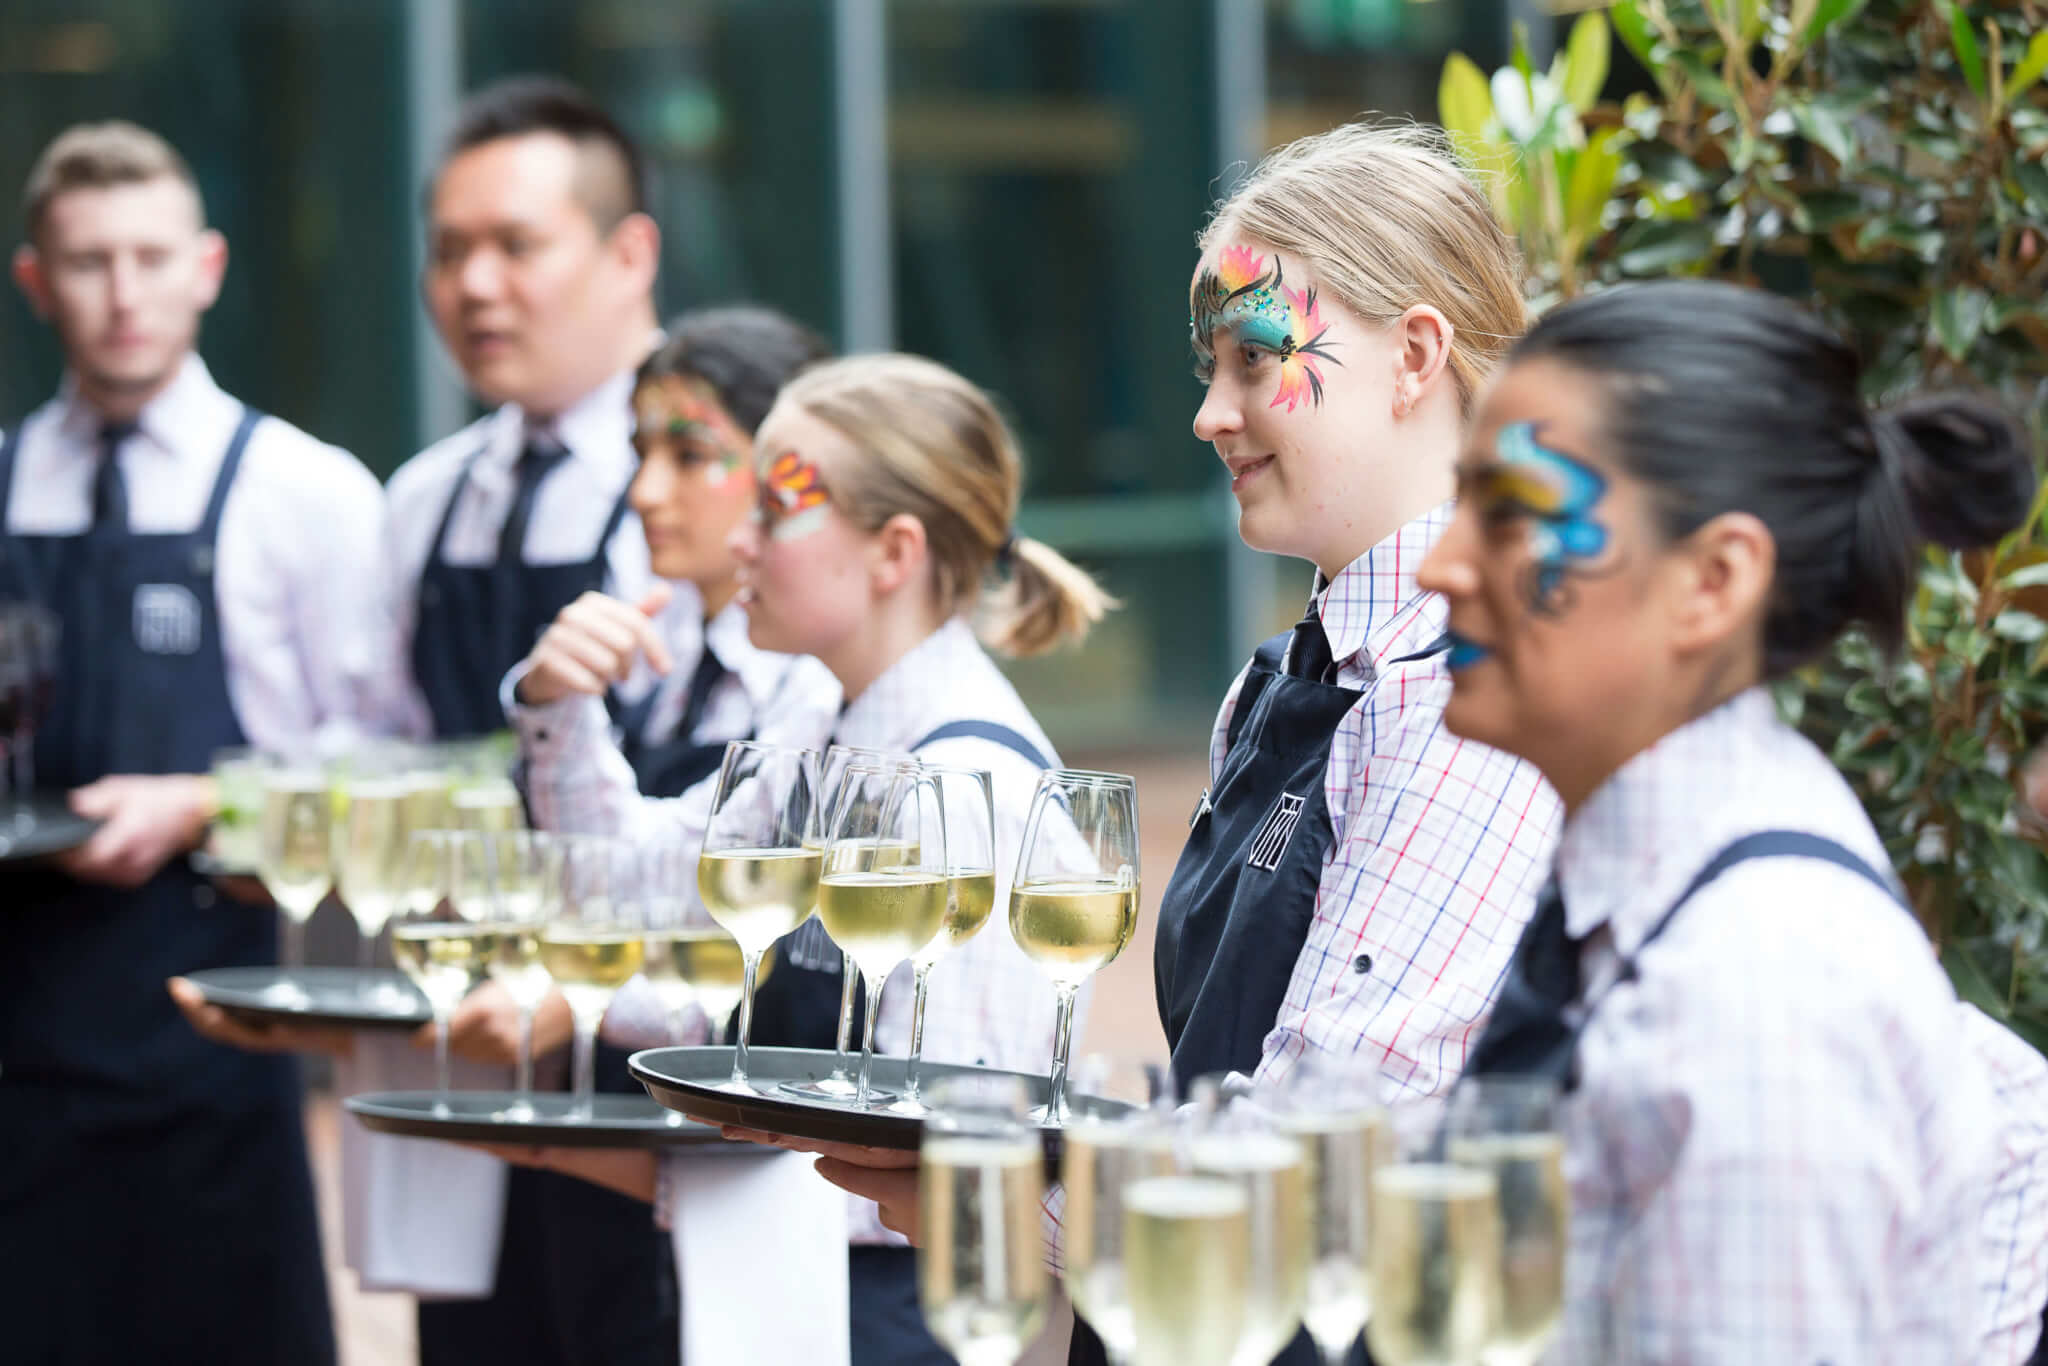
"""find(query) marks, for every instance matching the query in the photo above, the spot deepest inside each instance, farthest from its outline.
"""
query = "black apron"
(153, 1186)
(584, 1278)
(474, 622)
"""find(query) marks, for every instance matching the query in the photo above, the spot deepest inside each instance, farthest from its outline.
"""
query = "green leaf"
(1585, 61)
(1828, 129)
(2032, 64)
(1970, 982)
(1592, 184)
(1655, 247)
(1463, 105)
(2033, 182)
(2017, 625)
(2026, 576)
(1819, 210)
(1968, 55)
(1830, 13)
(1959, 320)
(1519, 56)
(1635, 33)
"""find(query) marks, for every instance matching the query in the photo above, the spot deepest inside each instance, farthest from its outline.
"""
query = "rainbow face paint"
(1245, 296)
(685, 411)
(793, 500)
(1557, 492)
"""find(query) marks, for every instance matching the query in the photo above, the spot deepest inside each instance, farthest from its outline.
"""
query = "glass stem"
(867, 1046)
(440, 1063)
(366, 948)
(752, 962)
(524, 1075)
(585, 1065)
(849, 975)
(1062, 1045)
(294, 941)
(916, 1032)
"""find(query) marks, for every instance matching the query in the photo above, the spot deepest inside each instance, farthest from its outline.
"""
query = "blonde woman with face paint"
(883, 545)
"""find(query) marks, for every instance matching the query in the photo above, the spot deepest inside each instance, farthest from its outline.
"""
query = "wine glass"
(1187, 1262)
(839, 1084)
(758, 873)
(297, 857)
(967, 797)
(1074, 900)
(592, 946)
(982, 1278)
(1509, 1126)
(1334, 1111)
(527, 869)
(482, 795)
(369, 846)
(33, 634)
(1434, 1262)
(1106, 1150)
(237, 836)
(434, 942)
(1236, 1140)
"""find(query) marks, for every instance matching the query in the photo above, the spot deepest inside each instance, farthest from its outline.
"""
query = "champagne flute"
(1187, 1245)
(882, 890)
(1509, 1126)
(528, 882)
(967, 797)
(1334, 1111)
(832, 770)
(483, 796)
(1074, 900)
(1237, 1142)
(434, 944)
(1105, 1152)
(369, 848)
(592, 946)
(297, 853)
(758, 873)
(1434, 1263)
(982, 1278)
(237, 837)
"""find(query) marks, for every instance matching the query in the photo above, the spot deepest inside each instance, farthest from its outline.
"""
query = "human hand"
(592, 644)
(280, 1036)
(145, 820)
(887, 1176)
(485, 1027)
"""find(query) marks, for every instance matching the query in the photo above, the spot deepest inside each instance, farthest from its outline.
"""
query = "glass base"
(520, 1111)
(834, 1087)
(906, 1105)
(1045, 1116)
(286, 994)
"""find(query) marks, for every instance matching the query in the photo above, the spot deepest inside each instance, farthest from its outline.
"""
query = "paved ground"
(377, 1330)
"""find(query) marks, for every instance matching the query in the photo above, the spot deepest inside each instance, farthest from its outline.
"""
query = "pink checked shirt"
(1783, 1139)
(2014, 1282)
(1440, 848)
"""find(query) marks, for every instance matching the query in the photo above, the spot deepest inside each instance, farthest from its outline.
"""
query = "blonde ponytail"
(932, 445)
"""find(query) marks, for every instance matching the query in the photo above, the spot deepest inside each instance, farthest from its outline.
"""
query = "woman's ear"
(1724, 581)
(1422, 353)
(900, 553)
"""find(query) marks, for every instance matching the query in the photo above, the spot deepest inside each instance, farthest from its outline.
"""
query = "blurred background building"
(1011, 186)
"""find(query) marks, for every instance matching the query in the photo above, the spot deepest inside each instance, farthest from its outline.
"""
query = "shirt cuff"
(548, 730)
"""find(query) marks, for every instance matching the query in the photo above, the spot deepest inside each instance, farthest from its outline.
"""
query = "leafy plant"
(1882, 160)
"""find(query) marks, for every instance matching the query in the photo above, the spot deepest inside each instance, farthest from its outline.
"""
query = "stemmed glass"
(1187, 1268)
(527, 869)
(839, 1084)
(982, 1279)
(1074, 900)
(1335, 1112)
(434, 942)
(1509, 1126)
(592, 945)
(237, 839)
(967, 797)
(369, 852)
(1237, 1141)
(29, 636)
(1434, 1264)
(758, 873)
(297, 856)
(882, 893)
(1107, 1149)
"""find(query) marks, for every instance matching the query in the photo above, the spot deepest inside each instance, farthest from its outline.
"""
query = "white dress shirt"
(295, 562)
(570, 510)
(2014, 1285)
(1782, 1135)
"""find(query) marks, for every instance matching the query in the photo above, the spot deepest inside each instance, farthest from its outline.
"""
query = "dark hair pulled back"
(746, 354)
(1724, 399)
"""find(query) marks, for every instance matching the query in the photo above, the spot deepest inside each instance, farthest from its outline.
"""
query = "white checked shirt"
(1440, 844)
(1782, 1142)
(298, 543)
(2014, 1283)
(569, 514)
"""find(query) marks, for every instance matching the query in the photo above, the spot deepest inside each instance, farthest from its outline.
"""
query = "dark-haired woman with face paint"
(1782, 1131)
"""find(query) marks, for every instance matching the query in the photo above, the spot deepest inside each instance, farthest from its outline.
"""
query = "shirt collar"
(597, 429)
(1629, 850)
(1373, 607)
(184, 420)
(911, 691)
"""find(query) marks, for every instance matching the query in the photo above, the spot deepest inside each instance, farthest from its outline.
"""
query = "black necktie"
(542, 454)
(1528, 1031)
(109, 489)
(1309, 654)
(709, 670)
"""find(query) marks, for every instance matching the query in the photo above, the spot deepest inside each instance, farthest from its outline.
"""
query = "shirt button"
(1362, 964)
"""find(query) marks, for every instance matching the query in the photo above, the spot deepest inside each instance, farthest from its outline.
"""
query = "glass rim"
(1089, 777)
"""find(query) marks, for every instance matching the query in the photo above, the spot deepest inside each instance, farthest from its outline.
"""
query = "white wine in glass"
(1272, 1170)
(369, 854)
(968, 799)
(1434, 1263)
(432, 944)
(297, 854)
(489, 807)
(527, 881)
(1334, 1112)
(1509, 1126)
(1187, 1243)
(591, 946)
(1102, 1157)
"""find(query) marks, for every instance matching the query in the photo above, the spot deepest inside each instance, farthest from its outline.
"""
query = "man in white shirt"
(208, 566)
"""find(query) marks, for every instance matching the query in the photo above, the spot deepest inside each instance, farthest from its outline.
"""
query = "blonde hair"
(92, 156)
(1385, 216)
(933, 445)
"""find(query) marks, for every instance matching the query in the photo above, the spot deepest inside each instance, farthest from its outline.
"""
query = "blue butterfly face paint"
(1558, 494)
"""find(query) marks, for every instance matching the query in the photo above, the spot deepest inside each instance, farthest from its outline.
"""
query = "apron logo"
(166, 619)
(1270, 845)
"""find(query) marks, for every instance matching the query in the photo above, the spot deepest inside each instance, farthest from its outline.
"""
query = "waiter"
(540, 276)
(208, 565)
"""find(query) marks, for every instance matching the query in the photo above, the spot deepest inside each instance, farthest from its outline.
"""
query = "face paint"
(684, 410)
(793, 498)
(1557, 492)
(1243, 295)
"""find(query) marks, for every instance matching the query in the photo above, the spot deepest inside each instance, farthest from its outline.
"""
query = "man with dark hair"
(209, 567)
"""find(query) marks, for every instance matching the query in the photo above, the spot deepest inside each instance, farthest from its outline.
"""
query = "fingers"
(211, 1022)
(894, 1192)
(96, 801)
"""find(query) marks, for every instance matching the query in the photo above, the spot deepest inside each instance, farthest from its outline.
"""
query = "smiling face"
(695, 483)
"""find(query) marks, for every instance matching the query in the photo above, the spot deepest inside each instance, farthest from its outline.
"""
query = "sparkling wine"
(982, 1277)
(1186, 1265)
(1434, 1264)
(758, 895)
(881, 918)
(1070, 929)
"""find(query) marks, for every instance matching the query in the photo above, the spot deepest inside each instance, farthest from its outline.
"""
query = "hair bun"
(1963, 466)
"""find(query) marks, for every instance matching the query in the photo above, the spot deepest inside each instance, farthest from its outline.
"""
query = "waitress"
(206, 562)
(1673, 496)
